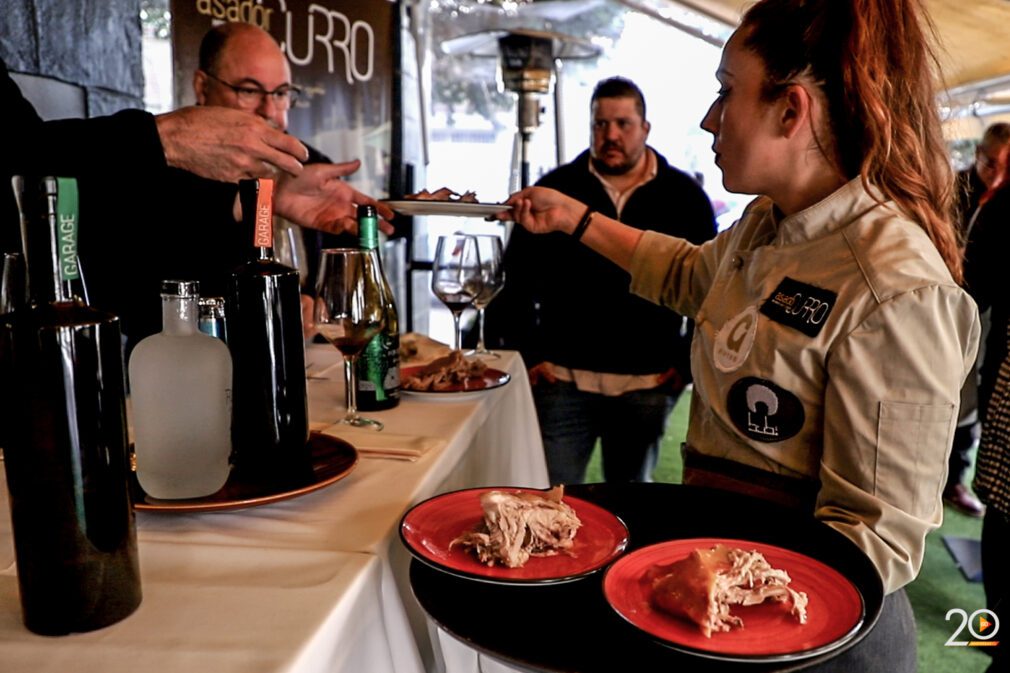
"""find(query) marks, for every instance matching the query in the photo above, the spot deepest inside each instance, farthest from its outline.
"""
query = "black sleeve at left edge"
(125, 143)
(124, 147)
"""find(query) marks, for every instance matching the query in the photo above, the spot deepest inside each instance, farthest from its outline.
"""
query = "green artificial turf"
(939, 587)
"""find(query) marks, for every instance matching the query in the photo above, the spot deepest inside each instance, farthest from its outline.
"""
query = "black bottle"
(66, 455)
(270, 426)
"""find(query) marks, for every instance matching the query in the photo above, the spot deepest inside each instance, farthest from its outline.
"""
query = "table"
(316, 583)
(570, 627)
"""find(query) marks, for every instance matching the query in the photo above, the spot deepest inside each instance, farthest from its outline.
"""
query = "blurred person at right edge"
(986, 279)
(974, 183)
(604, 365)
(832, 336)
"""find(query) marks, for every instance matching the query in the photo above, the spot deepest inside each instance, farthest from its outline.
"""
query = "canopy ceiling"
(974, 35)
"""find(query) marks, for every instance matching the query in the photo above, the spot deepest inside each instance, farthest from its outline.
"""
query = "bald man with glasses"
(241, 67)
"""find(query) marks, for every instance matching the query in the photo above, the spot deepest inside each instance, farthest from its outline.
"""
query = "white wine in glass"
(456, 275)
(349, 311)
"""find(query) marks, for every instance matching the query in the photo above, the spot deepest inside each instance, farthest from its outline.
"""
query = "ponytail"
(874, 62)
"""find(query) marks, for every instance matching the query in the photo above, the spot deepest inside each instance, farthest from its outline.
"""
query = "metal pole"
(559, 124)
(524, 161)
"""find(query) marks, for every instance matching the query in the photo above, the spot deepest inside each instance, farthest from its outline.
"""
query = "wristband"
(583, 224)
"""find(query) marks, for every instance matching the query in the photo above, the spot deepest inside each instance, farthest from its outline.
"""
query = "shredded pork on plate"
(703, 586)
(519, 525)
(446, 373)
(443, 194)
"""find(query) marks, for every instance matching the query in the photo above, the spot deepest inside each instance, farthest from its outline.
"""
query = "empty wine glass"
(349, 311)
(456, 275)
(493, 275)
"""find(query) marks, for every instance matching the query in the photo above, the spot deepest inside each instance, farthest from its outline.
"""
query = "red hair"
(874, 63)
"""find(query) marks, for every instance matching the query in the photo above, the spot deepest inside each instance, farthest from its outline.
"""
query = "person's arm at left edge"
(215, 143)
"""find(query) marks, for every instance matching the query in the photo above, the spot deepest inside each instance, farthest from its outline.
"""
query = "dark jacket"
(114, 158)
(568, 305)
(969, 190)
(985, 279)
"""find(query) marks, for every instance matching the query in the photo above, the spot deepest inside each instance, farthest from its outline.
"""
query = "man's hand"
(319, 199)
(543, 371)
(227, 145)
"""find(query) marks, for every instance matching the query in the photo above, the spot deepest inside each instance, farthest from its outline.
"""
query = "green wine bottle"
(378, 367)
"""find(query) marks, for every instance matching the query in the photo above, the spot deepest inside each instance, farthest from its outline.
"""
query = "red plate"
(429, 527)
(770, 633)
(493, 378)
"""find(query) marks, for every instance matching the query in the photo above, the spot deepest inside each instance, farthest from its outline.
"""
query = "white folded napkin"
(382, 443)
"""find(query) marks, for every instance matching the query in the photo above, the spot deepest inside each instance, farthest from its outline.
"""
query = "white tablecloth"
(316, 583)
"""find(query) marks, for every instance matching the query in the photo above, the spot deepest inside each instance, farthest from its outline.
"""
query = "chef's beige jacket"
(831, 346)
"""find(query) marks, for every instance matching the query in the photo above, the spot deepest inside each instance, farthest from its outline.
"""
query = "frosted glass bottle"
(180, 386)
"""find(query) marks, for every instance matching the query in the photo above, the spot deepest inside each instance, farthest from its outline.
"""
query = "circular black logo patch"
(763, 411)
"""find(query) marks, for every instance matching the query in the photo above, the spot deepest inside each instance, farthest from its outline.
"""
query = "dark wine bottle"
(270, 426)
(12, 298)
(378, 366)
(67, 457)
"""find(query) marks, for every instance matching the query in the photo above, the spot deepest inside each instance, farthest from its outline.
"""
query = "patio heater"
(528, 61)
(527, 68)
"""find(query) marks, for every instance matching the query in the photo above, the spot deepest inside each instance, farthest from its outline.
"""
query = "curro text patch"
(800, 306)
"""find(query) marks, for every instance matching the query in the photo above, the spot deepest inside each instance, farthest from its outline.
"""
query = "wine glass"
(493, 274)
(456, 274)
(349, 311)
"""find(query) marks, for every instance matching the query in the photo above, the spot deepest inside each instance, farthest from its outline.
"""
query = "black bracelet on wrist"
(583, 224)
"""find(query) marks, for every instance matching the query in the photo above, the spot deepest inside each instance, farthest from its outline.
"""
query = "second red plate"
(834, 612)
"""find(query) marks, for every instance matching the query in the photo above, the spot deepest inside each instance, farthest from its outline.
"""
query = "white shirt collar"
(621, 198)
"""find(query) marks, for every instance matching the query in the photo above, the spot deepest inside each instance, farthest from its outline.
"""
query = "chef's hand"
(541, 210)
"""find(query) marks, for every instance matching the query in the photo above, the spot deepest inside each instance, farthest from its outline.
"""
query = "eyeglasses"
(249, 96)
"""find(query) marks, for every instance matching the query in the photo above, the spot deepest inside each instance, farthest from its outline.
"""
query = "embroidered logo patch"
(763, 411)
(800, 306)
(735, 339)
